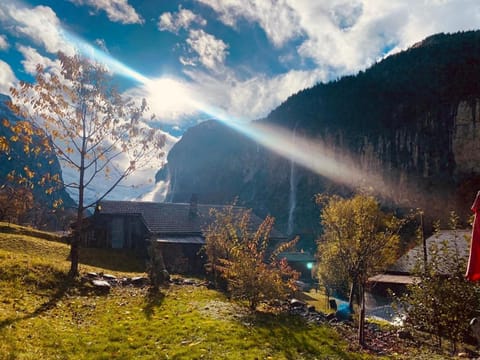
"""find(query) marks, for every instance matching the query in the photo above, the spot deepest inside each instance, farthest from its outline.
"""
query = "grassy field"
(43, 316)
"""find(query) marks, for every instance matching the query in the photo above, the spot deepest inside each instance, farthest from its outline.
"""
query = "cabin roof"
(455, 239)
(393, 279)
(173, 219)
(195, 240)
(296, 256)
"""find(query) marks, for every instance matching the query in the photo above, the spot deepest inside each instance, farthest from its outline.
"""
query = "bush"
(243, 259)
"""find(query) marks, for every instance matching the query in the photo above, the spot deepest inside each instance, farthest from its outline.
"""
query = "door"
(117, 233)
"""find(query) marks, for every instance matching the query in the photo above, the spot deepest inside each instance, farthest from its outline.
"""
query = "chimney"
(193, 206)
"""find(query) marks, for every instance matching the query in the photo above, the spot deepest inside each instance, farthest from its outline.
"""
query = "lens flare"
(313, 154)
(95, 53)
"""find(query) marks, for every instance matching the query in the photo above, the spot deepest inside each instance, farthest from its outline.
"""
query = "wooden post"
(361, 321)
(424, 242)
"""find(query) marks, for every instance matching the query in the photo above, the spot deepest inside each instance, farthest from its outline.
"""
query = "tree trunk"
(78, 231)
(361, 320)
(75, 245)
(352, 295)
(74, 255)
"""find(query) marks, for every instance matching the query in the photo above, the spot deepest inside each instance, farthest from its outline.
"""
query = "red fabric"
(473, 268)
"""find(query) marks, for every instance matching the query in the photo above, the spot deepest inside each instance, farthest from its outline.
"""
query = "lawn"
(44, 316)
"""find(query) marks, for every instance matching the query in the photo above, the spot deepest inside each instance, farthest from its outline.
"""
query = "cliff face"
(44, 214)
(466, 138)
(411, 120)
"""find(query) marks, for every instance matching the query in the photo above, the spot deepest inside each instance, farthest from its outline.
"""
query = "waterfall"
(292, 200)
(172, 186)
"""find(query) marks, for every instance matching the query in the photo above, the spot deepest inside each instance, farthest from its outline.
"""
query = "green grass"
(7, 228)
(44, 316)
(318, 299)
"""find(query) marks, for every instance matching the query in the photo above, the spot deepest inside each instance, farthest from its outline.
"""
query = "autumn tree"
(91, 127)
(219, 237)
(244, 259)
(15, 202)
(28, 164)
(358, 241)
(441, 301)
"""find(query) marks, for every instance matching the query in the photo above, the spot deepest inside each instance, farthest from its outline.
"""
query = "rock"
(330, 317)
(300, 285)
(295, 303)
(101, 284)
(92, 274)
(311, 308)
(109, 277)
(139, 280)
(475, 328)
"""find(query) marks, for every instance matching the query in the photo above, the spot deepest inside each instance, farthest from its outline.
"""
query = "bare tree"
(91, 127)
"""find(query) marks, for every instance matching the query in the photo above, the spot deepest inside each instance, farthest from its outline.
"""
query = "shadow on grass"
(296, 338)
(64, 285)
(153, 299)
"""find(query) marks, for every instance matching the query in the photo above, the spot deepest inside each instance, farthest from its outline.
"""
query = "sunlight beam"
(312, 154)
(95, 53)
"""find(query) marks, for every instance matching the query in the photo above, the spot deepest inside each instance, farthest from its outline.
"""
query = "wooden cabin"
(177, 228)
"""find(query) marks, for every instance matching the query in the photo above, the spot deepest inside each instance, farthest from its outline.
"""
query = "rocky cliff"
(411, 120)
(44, 214)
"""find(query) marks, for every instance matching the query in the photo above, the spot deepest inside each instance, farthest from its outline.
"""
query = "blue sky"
(241, 58)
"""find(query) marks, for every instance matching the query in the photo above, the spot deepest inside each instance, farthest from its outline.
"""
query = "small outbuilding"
(401, 273)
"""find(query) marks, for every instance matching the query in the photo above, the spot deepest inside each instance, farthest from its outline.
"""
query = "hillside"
(411, 119)
(44, 316)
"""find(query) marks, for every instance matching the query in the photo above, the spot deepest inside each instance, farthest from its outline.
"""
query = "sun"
(169, 97)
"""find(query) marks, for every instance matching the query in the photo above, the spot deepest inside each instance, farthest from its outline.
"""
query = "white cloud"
(173, 22)
(277, 17)
(116, 10)
(4, 42)
(186, 61)
(32, 58)
(211, 51)
(254, 97)
(348, 35)
(7, 78)
(383, 25)
(173, 101)
(40, 24)
(170, 100)
(102, 45)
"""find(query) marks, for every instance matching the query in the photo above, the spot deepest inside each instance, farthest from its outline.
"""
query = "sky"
(240, 57)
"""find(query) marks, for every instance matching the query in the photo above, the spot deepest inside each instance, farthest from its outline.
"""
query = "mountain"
(44, 213)
(412, 119)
